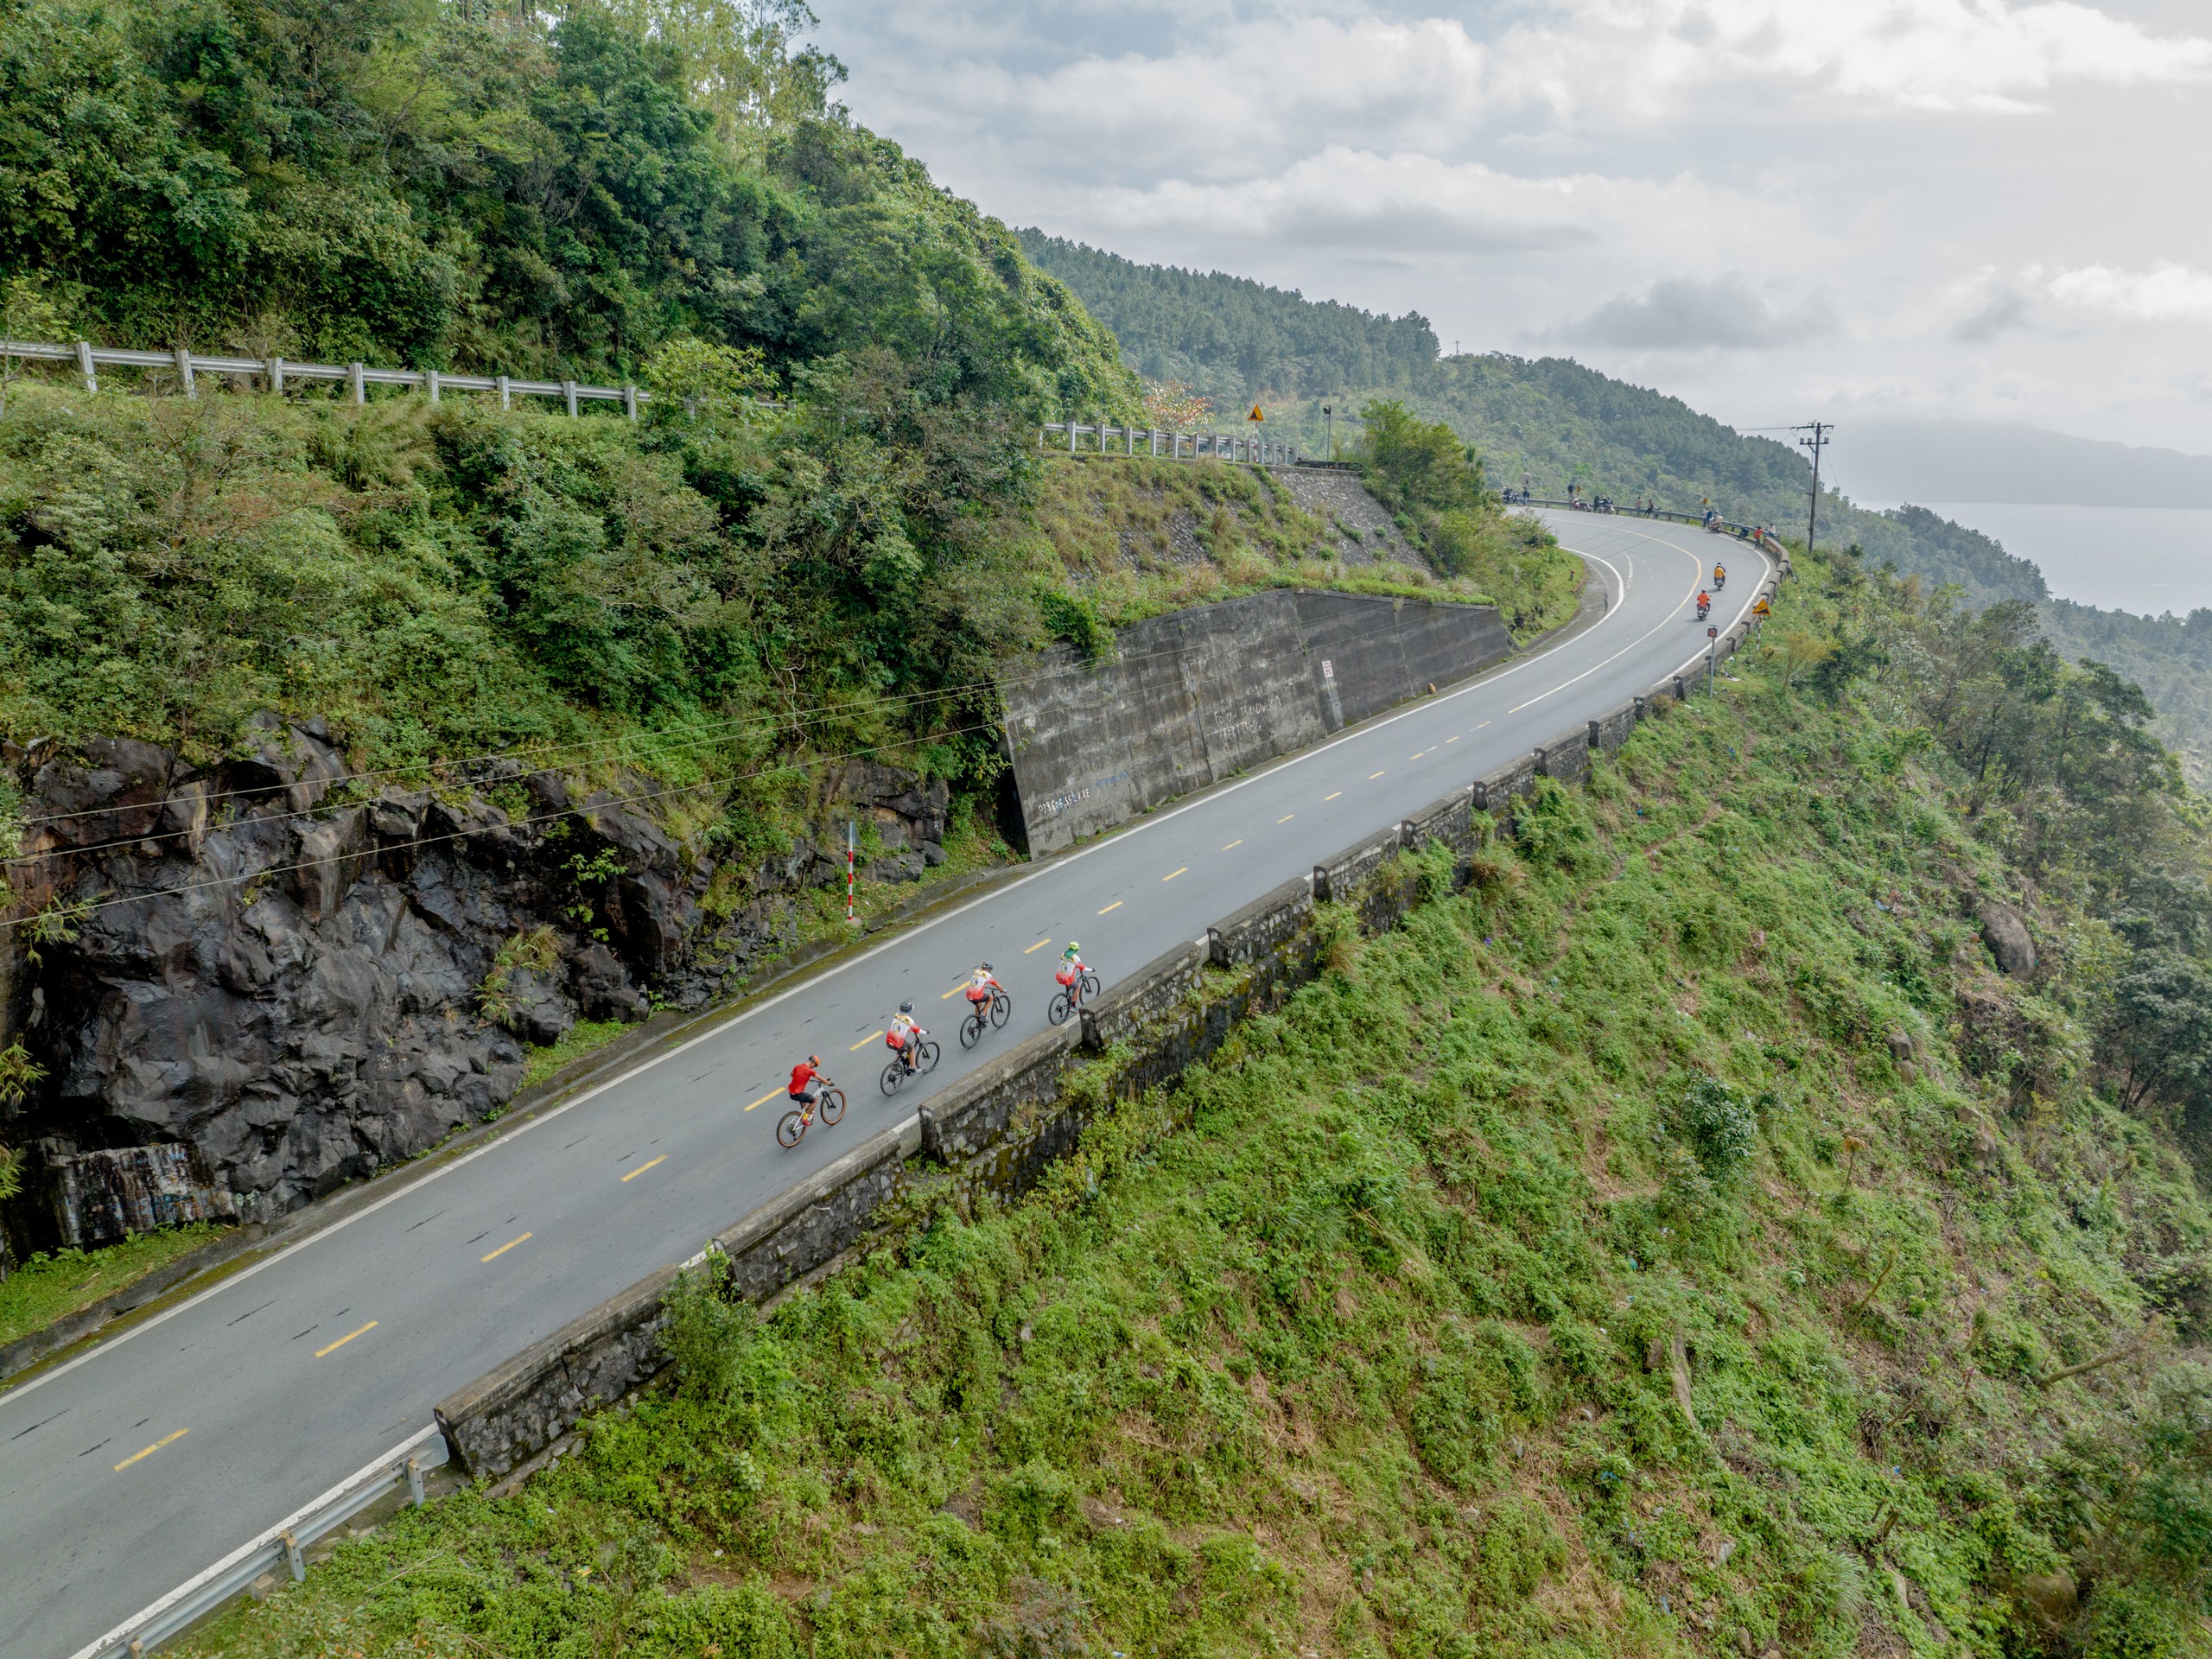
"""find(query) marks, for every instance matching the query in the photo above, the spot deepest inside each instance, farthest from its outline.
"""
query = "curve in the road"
(130, 1467)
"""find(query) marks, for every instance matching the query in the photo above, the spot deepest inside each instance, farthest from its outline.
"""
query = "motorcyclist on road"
(905, 1035)
(1720, 577)
(1704, 604)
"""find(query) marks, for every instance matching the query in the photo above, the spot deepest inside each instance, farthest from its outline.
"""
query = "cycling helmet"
(1072, 945)
(814, 1059)
(905, 1008)
(987, 967)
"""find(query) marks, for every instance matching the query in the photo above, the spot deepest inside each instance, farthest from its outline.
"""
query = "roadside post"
(852, 848)
(1712, 654)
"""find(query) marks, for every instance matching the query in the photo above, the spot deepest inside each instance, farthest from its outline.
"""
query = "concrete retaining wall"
(1196, 696)
(999, 1130)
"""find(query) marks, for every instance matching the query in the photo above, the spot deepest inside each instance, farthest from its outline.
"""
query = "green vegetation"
(1421, 471)
(717, 597)
(1132, 537)
(1230, 338)
(47, 1288)
(545, 191)
(1561, 424)
(1680, 1241)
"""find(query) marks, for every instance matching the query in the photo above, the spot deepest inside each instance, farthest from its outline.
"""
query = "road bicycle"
(983, 1015)
(1069, 998)
(829, 1106)
(895, 1073)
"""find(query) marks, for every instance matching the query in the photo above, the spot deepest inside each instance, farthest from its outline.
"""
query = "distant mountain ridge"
(1559, 423)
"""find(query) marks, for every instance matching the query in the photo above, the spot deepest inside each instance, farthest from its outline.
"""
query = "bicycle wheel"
(971, 1028)
(1061, 1008)
(1089, 983)
(893, 1075)
(1001, 1006)
(793, 1130)
(926, 1060)
(832, 1106)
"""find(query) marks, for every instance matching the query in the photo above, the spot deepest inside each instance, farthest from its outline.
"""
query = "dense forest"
(1553, 422)
(417, 183)
(1230, 338)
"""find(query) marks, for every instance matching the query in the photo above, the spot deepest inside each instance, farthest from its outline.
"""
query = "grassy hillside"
(1683, 1242)
(1134, 538)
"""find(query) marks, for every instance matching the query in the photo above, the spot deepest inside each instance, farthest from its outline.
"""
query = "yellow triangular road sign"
(1255, 415)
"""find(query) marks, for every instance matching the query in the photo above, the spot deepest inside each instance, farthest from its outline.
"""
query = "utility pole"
(1820, 431)
(1329, 424)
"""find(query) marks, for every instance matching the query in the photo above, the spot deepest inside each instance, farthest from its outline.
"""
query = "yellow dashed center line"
(343, 1340)
(505, 1248)
(1172, 874)
(1033, 948)
(1117, 904)
(643, 1167)
(1372, 776)
(1332, 798)
(1239, 841)
(954, 991)
(1450, 740)
(1286, 817)
(873, 1037)
(1416, 757)
(1479, 728)
(772, 1093)
(151, 1450)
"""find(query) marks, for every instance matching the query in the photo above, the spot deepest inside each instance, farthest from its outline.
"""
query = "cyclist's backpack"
(1065, 976)
(891, 1038)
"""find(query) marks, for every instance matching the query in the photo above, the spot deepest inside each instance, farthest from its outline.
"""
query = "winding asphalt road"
(130, 1468)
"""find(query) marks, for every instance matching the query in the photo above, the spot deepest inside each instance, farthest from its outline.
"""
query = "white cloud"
(1245, 89)
(1245, 95)
(2166, 293)
(1684, 315)
(1409, 203)
(1944, 55)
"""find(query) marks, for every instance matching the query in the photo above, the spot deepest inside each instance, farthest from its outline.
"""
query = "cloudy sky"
(1774, 209)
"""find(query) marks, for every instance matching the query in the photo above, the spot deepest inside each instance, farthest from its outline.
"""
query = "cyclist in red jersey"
(807, 1080)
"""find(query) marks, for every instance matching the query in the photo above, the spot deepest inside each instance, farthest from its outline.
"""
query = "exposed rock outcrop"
(2004, 930)
(300, 976)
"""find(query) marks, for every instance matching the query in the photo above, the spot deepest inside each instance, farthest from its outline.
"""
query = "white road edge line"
(152, 1610)
(1483, 683)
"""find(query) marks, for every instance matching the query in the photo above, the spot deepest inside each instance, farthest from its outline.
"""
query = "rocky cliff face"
(303, 976)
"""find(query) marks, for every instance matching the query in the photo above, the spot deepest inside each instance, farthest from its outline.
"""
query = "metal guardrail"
(1718, 525)
(1180, 445)
(274, 371)
(283, 1545)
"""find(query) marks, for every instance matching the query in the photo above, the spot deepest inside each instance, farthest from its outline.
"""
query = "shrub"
(1718, 1127)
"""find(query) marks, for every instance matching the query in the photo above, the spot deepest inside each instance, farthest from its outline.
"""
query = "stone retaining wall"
(1565, 758)
(1611, 729)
